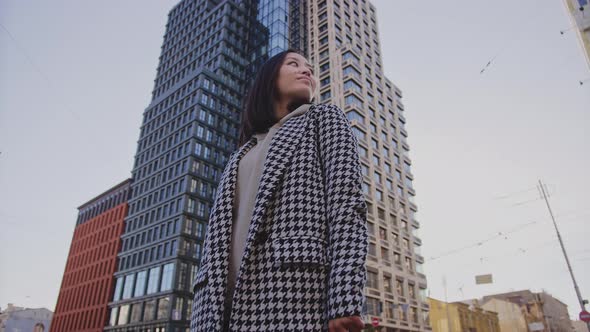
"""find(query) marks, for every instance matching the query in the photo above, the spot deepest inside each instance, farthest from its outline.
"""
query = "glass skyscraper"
(211, 51)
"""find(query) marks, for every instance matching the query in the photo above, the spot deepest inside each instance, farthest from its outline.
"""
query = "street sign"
(483, 279)
(585, 316)
(536, 326)
(375, 321)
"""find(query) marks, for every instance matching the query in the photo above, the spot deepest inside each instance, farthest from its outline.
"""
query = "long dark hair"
(258, 105)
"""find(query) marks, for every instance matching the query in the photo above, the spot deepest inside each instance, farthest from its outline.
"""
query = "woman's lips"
(305, 79)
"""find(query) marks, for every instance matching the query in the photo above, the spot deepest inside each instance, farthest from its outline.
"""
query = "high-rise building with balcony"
(344, 45)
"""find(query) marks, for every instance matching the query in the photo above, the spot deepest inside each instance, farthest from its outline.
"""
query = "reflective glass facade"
(189, 129)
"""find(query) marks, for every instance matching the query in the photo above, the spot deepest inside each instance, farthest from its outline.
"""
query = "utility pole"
(569, 266)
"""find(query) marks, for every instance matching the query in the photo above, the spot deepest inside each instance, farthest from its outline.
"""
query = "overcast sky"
(76, 76)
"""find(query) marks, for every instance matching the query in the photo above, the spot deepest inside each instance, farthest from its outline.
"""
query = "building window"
(128, 288)
(153, 280)
(382, 233)
(372, 280)
(353, 100)
(140, 284)
(399, 287)
(366, 188)
(363, 152)
(370, 228)
(414, 314)
(353, 115)
(113, 319)
(118, 288)
(389, 310)
(349, 70)
(375, 160)
(408, 183)
(177, 312)
(359, 133)
(408, 261)
(150, 310)
(385, 254)
(374, 144)
(349, 55)
(352, 85)
(135, 315)
(190, 207)
(373, 306)
(411, 291)
(365, 169)
(167, 276)
(387, 284)
(163, 305)
(379, 194)
(200, 230)
(123, 315)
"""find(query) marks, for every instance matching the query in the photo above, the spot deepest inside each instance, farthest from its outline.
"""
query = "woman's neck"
(282, 108)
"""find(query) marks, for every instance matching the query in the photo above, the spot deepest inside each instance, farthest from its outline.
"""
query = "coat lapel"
(282, 149)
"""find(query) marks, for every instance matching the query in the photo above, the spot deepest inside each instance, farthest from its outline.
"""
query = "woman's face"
(296, 80)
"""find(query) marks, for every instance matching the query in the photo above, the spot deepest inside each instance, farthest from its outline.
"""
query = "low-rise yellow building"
(461, 317)
(510, 315)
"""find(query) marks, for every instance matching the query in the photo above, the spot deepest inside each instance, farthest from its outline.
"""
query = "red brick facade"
(88, 282)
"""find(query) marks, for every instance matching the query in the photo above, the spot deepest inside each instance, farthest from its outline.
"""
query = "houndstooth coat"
(304, 260)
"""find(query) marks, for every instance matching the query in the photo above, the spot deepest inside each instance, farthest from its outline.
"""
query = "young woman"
(287, 240)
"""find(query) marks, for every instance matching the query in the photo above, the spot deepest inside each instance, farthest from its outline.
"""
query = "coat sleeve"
(347, 213)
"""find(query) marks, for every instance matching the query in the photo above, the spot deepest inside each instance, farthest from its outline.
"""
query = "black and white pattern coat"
(304, 260)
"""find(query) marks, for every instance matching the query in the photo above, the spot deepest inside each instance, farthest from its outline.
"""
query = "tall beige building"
(579, 12)
(344, 46)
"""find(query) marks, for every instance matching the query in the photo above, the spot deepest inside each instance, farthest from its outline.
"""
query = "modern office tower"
(87, 283)
(344, 45)
(579, 12)
(209, 54)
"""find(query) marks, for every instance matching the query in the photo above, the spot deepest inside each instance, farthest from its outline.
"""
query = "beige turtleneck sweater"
(249, 173)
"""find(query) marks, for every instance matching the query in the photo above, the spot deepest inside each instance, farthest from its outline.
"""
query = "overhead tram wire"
(39, 71)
